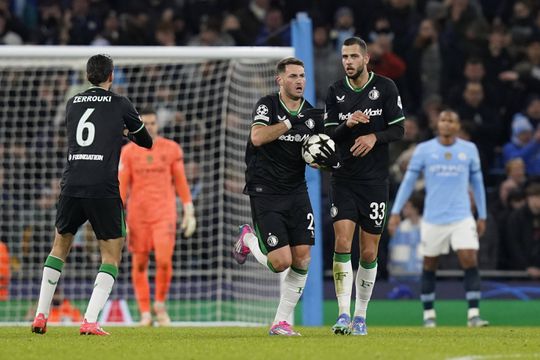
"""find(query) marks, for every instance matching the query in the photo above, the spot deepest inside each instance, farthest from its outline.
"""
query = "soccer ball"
(320, 150)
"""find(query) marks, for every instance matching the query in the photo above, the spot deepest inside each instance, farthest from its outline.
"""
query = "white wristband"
(287, 123)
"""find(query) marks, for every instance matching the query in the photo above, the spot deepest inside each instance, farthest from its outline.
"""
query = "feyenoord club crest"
(333, 211)
(374, 94)
(272, 240)
(310, 123)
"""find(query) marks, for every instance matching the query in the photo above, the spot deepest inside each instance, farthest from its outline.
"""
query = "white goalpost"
(203, 97)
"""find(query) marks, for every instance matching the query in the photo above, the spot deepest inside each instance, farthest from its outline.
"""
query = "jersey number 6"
(91, 129)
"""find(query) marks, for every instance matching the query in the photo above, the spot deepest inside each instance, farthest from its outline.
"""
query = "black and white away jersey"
(278, 167)
(380, 100)
(95, 120)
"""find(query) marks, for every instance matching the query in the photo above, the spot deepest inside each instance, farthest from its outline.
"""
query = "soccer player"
(449, 165)
(95, 121)
(276, 185)
(148, 179)
(363, 115)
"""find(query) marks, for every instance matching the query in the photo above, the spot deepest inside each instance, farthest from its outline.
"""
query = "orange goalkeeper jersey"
(148, 178)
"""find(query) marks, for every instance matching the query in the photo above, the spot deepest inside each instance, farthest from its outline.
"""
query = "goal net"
(204, 98)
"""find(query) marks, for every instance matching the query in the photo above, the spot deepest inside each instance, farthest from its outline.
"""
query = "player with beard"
(363, 115)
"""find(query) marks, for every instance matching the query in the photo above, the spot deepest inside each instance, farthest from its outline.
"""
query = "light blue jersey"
(447, 170)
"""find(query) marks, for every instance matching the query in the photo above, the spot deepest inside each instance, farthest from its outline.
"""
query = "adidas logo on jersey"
(294, 138)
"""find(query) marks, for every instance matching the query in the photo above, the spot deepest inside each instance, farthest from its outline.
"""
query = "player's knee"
(163, 264)
(343, 243)
(368, 255)
(280, 265)
(302, 263)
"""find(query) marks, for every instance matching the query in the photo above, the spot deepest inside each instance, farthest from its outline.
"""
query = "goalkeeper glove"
(189, 223)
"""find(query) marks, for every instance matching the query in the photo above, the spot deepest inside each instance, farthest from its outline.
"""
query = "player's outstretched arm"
(141, 137)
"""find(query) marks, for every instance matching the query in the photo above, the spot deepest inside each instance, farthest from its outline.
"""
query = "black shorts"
(363, 204)
(106, 216)
(281, 220)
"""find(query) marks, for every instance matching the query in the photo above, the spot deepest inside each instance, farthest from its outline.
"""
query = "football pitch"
(253, 343)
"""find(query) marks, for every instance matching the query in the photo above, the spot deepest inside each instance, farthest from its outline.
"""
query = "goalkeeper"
(148, 179)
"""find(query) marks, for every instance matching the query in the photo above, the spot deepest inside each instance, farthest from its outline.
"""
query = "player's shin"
(292, 289)
(428, 294)
(51, 274)
(343, 281)
(139, 276)
(102, 289)
(365, 280)
(472, 291)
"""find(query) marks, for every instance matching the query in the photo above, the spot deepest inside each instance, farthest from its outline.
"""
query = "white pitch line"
(496, 356)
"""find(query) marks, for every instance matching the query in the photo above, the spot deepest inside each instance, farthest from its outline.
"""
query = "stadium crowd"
(479, 57)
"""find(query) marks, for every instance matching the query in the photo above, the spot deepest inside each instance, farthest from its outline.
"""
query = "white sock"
(472, 312)
(429, 314)
(343, 282)
(102, 289)
(365, 280)
(51, 273)
(253, 244)
(292, 290)
(48, 287)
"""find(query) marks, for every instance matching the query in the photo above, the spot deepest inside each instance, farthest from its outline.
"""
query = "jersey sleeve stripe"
(136, 131)
(396, 120)
(259, 123)
(331, 124)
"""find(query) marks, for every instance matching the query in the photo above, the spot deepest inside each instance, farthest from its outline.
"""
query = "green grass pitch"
(127, 343)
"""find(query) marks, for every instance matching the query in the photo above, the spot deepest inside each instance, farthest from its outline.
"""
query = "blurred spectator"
(525, 145)
(135, 29)
(405, 260)
(252, 17)
(522, 22)
(522, 241)
(4, 271)
(527, 72)
(8, 37)
(410, 138)
(165, 35)
(515, 179)
(473, 71)
(274, 32)
(484, 122)
(424, 65)
(231, 25)
(382, 60)
(343, 27)
(211, 34)
(403, 20)
(328, 68)
(84, 25)
(110, 34)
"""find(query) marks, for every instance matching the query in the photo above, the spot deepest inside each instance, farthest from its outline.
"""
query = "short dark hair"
(99, 68)
(355, 40)
(147, 110)
(282, 64)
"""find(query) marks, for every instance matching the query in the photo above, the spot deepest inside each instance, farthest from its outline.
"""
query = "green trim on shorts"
(270, 266)
(341, 257)
(109, 269)
(367, 265)
(299, 271)
(261, 243)
(54, 263)
(124, 232)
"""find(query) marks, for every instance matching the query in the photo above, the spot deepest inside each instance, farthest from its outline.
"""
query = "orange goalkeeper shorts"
(146, 237)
